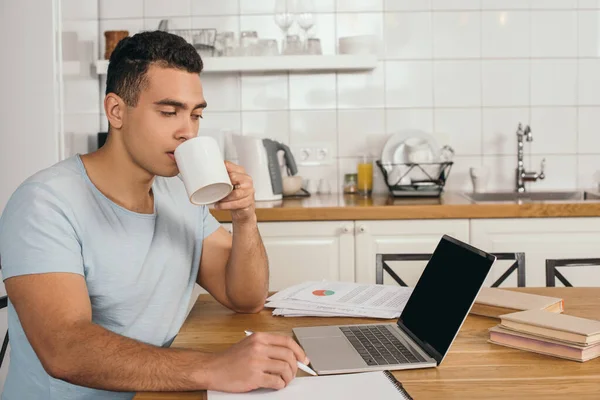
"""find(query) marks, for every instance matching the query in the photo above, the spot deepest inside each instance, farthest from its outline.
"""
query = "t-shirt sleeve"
(36, 234)
(208, 222)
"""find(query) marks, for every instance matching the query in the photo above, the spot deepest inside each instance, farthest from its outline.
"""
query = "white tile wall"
(211, 7)
(113, 9)
(172, 8)
(501, 175)
(501, 92)
(554, 130)
(467, 71)
(408, 35)
(554, 82)
(457, 34)
(589, 130)
(505, 34)
(554, 34)
(409, 84)
(457, 84)
(499, 127)
(360, 131)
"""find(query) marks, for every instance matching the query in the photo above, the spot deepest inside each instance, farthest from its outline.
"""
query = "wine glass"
(284, 17)
(305, 16)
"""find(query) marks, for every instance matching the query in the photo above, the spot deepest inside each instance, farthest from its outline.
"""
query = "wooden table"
(473, 369)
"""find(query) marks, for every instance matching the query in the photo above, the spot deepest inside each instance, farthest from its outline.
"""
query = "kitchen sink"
(495, 197)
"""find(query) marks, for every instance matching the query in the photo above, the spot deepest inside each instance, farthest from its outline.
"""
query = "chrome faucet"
(522, 175)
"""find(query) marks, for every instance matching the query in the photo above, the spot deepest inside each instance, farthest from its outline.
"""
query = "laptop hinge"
(426, 347)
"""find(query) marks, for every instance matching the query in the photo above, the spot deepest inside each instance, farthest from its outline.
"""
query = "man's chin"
(168, 173)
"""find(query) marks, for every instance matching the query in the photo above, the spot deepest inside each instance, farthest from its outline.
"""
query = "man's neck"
(113, 172)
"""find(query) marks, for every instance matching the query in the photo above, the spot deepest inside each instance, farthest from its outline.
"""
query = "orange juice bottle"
(365, 177)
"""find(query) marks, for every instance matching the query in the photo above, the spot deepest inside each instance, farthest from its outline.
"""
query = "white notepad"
(366, 385)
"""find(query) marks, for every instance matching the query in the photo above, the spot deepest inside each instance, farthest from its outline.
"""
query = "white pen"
(303, 367)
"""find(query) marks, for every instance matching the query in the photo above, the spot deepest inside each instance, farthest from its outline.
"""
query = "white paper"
(366, 385)
(286, 312)
(345, 299)
(335, 310)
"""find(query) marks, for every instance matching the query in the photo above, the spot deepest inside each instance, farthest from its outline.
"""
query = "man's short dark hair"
(131, 58)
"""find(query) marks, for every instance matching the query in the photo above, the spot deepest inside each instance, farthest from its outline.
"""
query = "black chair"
(3, 304)
(383, 259)
(552, 274)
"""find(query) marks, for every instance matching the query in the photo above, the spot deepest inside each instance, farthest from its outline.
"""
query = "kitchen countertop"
(451, 205)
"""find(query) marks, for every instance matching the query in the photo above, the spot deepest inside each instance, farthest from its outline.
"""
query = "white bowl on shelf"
(359, 44)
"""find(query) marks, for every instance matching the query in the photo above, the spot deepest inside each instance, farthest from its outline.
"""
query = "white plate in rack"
(394, 149)
(394, 153)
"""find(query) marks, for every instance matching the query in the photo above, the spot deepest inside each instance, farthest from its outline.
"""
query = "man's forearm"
(247, 273)
(94, 357)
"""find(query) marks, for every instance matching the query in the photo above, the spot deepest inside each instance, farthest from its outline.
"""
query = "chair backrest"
(4, 353)
(381, 265)
(552, 273)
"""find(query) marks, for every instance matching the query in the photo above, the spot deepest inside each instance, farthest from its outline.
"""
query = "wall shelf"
(345, 62)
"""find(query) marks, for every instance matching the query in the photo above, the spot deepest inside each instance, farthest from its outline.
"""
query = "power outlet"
(313, 154)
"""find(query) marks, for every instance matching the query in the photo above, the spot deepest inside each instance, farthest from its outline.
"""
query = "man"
(100, 252)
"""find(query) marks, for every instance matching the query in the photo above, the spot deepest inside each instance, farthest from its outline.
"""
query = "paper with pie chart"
(340, 299)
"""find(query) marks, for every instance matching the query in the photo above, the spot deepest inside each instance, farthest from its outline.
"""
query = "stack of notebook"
(494, 302)
(553, 334)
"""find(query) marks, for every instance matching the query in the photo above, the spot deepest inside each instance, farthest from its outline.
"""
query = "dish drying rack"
(203, 40)
(415, 179)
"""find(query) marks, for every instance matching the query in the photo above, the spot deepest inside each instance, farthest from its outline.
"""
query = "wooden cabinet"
(346, 250)
(301, 251)
(402, 236)
(541, 239)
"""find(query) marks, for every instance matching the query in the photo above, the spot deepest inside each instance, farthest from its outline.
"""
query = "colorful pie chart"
(323, 292)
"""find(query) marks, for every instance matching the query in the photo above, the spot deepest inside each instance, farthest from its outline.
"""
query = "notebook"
(366, 385)
(537, 344)
(555, 326)
(493, 302)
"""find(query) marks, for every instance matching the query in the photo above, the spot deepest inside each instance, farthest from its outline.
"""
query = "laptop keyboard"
(378, 346)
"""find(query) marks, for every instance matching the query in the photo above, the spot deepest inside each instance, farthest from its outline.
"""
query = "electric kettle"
(260, 158)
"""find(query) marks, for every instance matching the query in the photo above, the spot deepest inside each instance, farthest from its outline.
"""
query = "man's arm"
(55, 312)
(235, 269)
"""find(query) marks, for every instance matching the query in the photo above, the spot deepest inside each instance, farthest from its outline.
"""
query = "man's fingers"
(287, 342)
(240, 179)
(270, 381)
(235, 205)
(231, 167)
(283, 354)
(281, 369)
(239, 192)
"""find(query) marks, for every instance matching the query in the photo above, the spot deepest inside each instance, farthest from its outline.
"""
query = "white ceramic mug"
(202, 170)
(479, 178)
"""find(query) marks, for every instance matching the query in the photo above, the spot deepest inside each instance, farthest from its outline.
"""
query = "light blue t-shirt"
(140, 269)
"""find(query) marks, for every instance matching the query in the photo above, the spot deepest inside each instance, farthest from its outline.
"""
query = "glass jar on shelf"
(350, 183)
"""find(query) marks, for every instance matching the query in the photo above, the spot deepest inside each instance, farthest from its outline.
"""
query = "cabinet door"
(541, 239)
(302, 251)
(404, 236)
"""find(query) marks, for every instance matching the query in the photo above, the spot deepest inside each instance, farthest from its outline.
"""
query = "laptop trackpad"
(332, 353)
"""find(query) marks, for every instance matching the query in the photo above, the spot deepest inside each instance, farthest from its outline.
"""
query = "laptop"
(424, 332)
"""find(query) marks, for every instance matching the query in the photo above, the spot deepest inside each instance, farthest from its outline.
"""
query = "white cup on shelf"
(479, 178)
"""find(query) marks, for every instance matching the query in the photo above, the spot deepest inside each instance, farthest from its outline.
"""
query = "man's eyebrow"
(200, 105)
(178, 104)
(171, 102)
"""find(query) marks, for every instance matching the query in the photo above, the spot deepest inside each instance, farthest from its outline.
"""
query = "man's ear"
(114, 107)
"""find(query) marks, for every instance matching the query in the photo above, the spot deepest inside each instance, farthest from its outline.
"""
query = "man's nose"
(187, 130)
